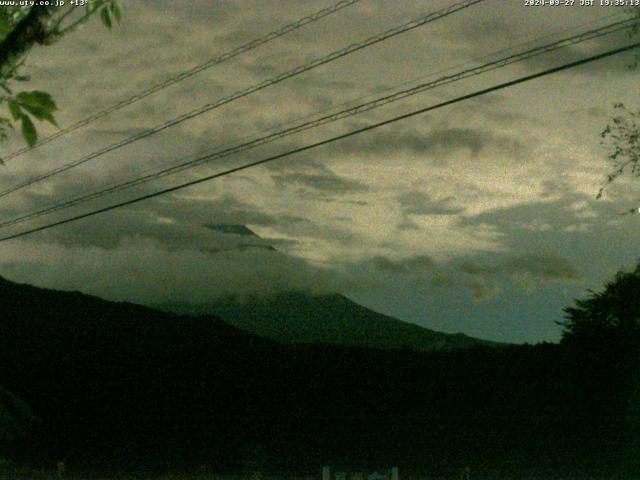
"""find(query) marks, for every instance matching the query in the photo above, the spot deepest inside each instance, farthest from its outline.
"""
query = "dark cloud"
(487, 277)
(484, 276)
(570, 212)
(415, 264)
(418, 203)
(588, 239)
(184, 223)
(447, 140)
(328, 183)
(172, 221)
(570, 54)
(230, 229)
(547, 267)
(407, 225)
(437, 142)
(144, 271)
(543, 266)
(491, 33)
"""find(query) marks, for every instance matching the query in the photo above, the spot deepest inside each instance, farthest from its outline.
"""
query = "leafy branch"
(622, 136)
(23, 27)
(109, 10)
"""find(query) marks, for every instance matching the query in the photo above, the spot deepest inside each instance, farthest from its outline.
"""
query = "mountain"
(302, 318)
(241, 230)
(237, 237)
(299, 317)
(108, 379)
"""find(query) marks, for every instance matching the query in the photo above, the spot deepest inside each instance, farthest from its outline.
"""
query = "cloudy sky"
(478, 218)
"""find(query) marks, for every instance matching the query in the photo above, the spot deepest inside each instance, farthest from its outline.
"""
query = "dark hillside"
(122, 387)
(299, 317)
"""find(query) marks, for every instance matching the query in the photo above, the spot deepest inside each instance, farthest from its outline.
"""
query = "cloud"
(487, 277)
(415, 264)
(144, 271)
(438, 143)
(543, 266)
(482, 35)
(573, 238)
(619, 63)
(418, 203)
(330, 183)
(173, 221)
(407, 225)
(484, 276)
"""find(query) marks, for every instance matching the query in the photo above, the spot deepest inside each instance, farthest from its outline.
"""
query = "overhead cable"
(408, 26)
(311, 146)
(334, 117)
(188, 74)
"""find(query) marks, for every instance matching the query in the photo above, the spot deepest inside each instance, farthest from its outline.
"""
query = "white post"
(326, 472)
(394, 473)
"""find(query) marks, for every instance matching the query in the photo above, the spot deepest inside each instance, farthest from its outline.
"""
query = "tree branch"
(30, 30)
(91, 9)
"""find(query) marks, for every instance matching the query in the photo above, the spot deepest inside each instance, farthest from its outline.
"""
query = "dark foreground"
(114, 388)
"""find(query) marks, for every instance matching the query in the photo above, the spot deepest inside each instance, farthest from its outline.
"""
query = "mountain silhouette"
(301, 317)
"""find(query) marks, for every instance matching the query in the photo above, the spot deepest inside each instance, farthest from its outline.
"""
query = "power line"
(189, 73)
(328, 141)
(378, 102)
(408, 26)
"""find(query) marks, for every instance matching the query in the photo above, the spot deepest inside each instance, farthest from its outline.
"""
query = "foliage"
(622, 134)
(51, 25)
(613, 313)
(15, 416)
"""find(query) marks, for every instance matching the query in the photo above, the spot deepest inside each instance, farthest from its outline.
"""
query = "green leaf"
(116, 10)
(105, 16)
(38, 104)
(23, 78)
(14, 108)
(6, 25)
(41, 115)
(29, 131)
(37, 99)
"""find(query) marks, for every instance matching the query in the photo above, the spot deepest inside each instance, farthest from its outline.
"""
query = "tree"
(622, 134)
(15, 416)
(610, 315)
(623, 137)
(22, 28)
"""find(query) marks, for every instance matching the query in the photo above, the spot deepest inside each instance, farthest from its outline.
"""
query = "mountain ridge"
(298, 317)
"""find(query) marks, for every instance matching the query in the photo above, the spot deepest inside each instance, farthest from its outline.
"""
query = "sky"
(480, 217)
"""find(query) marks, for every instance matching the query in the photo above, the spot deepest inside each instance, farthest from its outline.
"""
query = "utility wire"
(260, 86)
(311, 146)
(378, 102)
(188, 74)
(88, 196)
